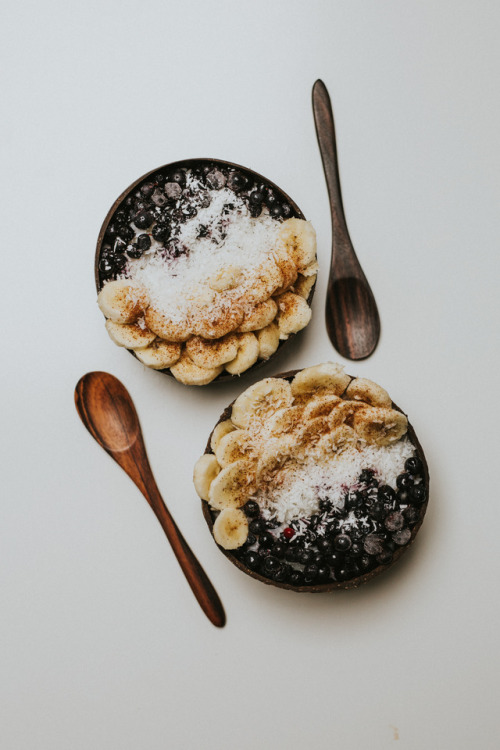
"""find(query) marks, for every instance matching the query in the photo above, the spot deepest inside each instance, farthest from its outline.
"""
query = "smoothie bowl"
(313, 480)
(204, 269)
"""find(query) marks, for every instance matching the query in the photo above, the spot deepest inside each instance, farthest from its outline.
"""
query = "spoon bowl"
(108, 412)
(352, 318)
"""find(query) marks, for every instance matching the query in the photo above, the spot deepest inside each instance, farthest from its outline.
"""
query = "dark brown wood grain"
(210, 516)
(107, 411)
(352, 318)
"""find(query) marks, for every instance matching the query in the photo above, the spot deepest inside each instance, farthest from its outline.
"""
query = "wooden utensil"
(352, 318)
(107, 411)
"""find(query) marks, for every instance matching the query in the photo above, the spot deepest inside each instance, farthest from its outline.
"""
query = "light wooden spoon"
(108, 412)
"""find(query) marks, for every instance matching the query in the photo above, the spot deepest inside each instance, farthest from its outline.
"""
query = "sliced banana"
(159, 355)
(380, 426)
(269, 339)
(300, 239)
(311, 270)
(303, 285)
(261, 316)
(223, 428)
(224, 317)
(248, 354)
(321, 405)
(233, 447)
(362, 389)
(205, 470)
(230, 528)
(342, 437)
(294, 314)
(343, 412)
(212, 352)
(232, 487)
(285, 420)
(329, 376)
(166, 328)
(122, 301)
(226, 278)
(129, 335)
(185, 371)
(288, 269)
(260, 400)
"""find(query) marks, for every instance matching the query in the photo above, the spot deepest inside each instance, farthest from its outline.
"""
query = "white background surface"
(102, 643)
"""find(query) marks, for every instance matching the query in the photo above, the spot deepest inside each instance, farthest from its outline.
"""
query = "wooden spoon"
(107, 411)
(352, 318)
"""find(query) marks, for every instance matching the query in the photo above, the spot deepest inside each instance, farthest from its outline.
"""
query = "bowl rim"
(187, 164)
(331, 585)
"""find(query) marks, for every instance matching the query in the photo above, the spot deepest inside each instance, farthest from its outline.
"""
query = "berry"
(281, 574)
(373, 544)
(401, 537)
(237, 181)
(404, 481)
(323, 572)
(256, 197)
(342, 542)
(252, 560)
(256, 526)
(325, 504)
(179, 177)
(413, 465)
(288, 533)
(385, 556)
(161, 232)
(417, 492)
(159, 178)
(159, 198)
(310, 573)
(267, 539)
(119, 263)
(394, 521)
(255, 209)
(411, 514)
(386, 494)
(292, 554)
(147, 189)
(365, 562)
(306, 556)
(271, 564)
(271, 199)
(324, 545)
(296, 578)
(366, 476)
(215, 179)
(251, 540)
(334, 560)
(251, 509)
(106, 265)
(286, 210)
(143, 219)
(356, 550)
(378, 511)
(278, 550)
(353, 500)
(173, 191)
(275, 211)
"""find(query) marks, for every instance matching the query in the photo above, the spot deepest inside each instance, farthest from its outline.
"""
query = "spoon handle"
(325, 131)
(201, 586)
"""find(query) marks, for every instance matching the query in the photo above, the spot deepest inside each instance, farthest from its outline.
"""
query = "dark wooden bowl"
(193, 164)
(210, 517)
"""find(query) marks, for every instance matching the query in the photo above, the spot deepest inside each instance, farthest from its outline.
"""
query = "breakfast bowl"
(313, 480)
(204, 269)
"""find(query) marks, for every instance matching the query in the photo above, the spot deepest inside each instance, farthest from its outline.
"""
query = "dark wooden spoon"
(108, 412)
(352, 318)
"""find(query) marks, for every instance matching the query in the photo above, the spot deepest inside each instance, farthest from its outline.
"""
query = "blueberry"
(347, 571)
(256, 526)
(252, 509)
(413, 465)
(365, 562)
(112, 231)
(366, 476)
(325, 504)
(159, 198)
(173, 191)
(119, 263)
(323, 572)
(342, 542)
(215, 179)
(324, 545)
(310, 573)
(255, 209)
(143, 241)
(275, 211)
(263, 552)
(106, 265)
(286, 210)
(143, 219)
(161, 232)
(335, 559)
(402, 536)
(386, 494)
(306, 556)
(271, 199)
(412, 515)
(394, 521)
(356, 550)
(134, 251)
(278, 550)
(417, 493)
(147, 189)
(372, 544)
(252, 560)
(353, 500)
(159, 178)
(404, 481)
(271, 564)
(256, 197)
(237, 181)
(378, 511)
(179, 176)
(292, 554)
(296, 578)
(267, 539)
(280, 575)
(385, 556)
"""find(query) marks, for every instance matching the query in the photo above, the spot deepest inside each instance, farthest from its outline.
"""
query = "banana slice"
(311, 269)
(321, 405)
(261, 399)
(248, 354)
(226, 278)
(205, 470)
(122, 301)
(223, 428)
(269, 339)
(159, 355)
(164, 327)
(185, 371)
(268, 278)
(285, 420)
(300, 239)
(230, 528)
(343, 413)
(261, 316)
(380, 426)
(288, 269)
(303, 285)
(342, 437)
(362, 389)
(233, 447)
(294, 314)
(129, 335)
(224, 317)
(232, 487)
(329, 376)
(212, 352)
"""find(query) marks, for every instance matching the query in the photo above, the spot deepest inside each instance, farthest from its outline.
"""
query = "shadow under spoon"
(108, 412)
(352, 318)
